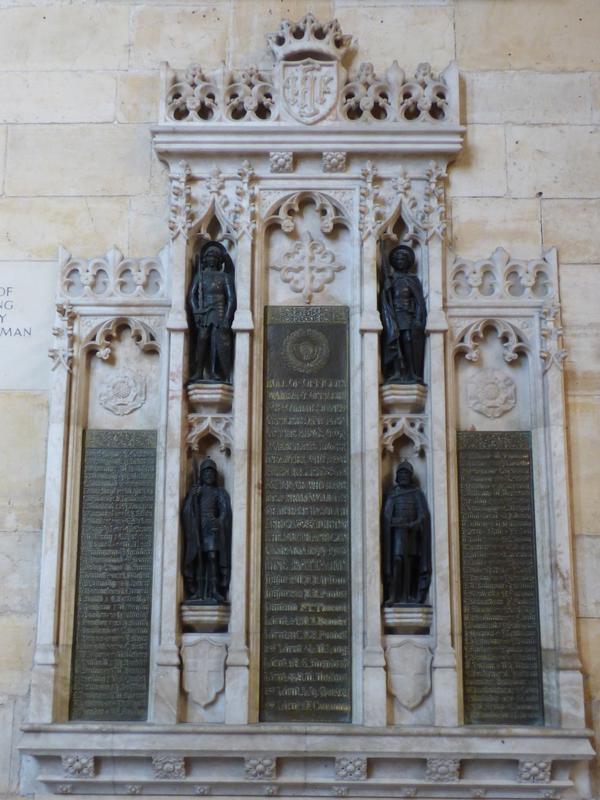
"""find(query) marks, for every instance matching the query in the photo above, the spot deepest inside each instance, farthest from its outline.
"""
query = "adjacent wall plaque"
(501, 639)
(306, 659)
(114, 582)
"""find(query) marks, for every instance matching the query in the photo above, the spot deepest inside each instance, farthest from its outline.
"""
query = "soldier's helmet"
(405, 466)
(206, 464)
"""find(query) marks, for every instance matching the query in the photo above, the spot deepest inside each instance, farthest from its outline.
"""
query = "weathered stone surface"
(572, 226)
(558, 161)
(584, 446)
(580, 290)
(16, 660)
(587, 558)
(138, 95)
(247, 43)
(495, 34)
(179, 35)
(19, 568)
(69, 37)
(595, 84)
(527, 97)
(22, 467)
(7, 705)
(148, 225)
(87, 225)
(480, 169)
(77, 160)
(583, 362)
(427, 34)
(40, 97)
(480, 224)
(589, 642)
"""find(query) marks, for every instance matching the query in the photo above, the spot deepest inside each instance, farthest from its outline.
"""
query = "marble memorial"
(306, 485)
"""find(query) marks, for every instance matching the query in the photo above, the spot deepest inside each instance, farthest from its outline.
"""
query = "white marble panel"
(26, 318)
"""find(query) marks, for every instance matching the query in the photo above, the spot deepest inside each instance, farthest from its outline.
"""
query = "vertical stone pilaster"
(374, 678)
(237, 701)
(165, 672)
(43, 705)
(444, 678)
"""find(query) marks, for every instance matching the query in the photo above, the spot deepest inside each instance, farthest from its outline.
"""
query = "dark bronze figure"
(406, 541)
(212, 303)
(206, 518)
(403, 315)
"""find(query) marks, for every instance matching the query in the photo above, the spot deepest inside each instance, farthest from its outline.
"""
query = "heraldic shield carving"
(309, 55)
(203, 670)
(310, 88)
(409, 672)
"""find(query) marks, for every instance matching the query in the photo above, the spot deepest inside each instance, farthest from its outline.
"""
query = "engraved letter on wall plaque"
(114, 579)
(501, 638)
(306, 660)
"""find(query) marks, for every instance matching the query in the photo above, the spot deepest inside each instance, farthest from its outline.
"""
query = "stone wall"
(79, 89)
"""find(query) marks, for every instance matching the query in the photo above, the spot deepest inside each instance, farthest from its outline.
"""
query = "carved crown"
(310, 37)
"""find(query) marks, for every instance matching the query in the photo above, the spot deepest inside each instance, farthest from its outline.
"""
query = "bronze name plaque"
(501, 633)
(114, 580)
(306, 663)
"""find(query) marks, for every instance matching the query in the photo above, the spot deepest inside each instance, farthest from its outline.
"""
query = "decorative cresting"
(309, 84)
(501, 277)
(111, 279)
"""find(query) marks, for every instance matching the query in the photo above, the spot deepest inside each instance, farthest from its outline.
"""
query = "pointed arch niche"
(309, 170)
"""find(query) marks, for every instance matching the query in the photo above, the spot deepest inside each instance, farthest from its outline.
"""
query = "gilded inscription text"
(306, 645)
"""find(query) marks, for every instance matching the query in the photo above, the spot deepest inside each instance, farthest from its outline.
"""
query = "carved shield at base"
(203, 670)
(310, 88)
(409, 672)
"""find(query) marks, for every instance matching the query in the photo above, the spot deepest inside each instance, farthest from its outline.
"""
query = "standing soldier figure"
(406, 541)
(403, 315)
(212, 303)
(206, 518)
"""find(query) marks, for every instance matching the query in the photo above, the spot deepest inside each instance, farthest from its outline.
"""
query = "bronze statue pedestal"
(407, 618)
(210, 398)
(205, 618)
(403, 398)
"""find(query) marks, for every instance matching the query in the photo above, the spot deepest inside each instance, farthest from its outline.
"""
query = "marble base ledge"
(403, 398)
(407, 619)
(205, 619)
(303, 761)
(210, 397)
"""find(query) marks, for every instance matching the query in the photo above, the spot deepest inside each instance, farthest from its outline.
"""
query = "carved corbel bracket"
(217, 425)
(393, 427)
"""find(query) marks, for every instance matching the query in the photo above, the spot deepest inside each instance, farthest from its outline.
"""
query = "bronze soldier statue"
(406, 541)
(206, 518)
(212, 303)
(403, 315)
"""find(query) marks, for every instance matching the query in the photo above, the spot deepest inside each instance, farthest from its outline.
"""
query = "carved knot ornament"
(492, 393)
(308, 267)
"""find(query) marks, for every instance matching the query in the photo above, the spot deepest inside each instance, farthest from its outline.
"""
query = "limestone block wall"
(79, 86)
